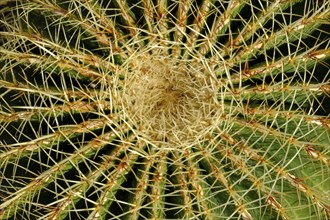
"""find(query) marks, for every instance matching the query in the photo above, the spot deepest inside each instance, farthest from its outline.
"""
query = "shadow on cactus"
(164, 109)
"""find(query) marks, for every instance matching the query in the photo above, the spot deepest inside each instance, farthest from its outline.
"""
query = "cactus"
(164, 109)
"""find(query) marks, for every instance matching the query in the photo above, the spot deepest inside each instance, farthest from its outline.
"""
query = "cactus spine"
(164, 109)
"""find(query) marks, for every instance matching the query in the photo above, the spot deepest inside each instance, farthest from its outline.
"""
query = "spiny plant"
(164, 109)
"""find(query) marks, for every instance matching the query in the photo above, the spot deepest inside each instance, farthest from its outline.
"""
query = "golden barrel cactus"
(164, 109)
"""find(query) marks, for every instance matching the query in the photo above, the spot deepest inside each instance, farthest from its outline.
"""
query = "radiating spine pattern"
(164, 109)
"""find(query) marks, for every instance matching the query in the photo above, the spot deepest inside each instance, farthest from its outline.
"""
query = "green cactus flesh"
(164, 109)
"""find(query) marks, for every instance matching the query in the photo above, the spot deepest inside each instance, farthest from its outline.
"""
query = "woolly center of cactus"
(170, 100)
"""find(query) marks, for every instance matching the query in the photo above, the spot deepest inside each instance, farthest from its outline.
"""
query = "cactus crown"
(164, 109)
